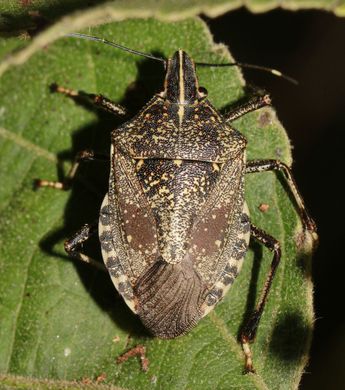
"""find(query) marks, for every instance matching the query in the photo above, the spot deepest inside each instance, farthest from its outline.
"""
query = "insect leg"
(76, 241)
(276, 165)
(98, 100)
(85, 155)
(249, 331)
(253, 104)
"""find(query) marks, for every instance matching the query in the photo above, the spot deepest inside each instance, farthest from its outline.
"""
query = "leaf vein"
(17, 312)
(24, 143)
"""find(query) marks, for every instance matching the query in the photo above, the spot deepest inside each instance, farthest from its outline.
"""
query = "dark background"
(309, 46)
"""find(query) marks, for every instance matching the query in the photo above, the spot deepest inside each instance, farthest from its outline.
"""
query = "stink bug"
(174, 226)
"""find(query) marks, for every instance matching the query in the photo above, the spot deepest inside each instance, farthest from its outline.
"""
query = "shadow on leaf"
(254, 289)
(289, 337)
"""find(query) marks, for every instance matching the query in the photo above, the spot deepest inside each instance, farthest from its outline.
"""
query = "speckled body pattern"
(174, 226)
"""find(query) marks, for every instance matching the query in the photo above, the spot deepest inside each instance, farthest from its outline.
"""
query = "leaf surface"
(65, 321)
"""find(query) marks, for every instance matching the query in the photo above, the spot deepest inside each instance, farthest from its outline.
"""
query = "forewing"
(131, 239)
(216, 232)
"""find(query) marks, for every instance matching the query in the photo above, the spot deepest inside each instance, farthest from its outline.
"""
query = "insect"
(174, 226)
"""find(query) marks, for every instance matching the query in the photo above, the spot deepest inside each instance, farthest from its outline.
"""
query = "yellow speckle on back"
(129, 238)
(178, 162)
(215, 167)
(157, 138)
(218, 243)
(163, 190)
(154, 182)
(139, 165)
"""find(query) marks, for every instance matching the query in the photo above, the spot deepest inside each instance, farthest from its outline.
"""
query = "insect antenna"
(124, 48)
(275, 72)
(152, 57)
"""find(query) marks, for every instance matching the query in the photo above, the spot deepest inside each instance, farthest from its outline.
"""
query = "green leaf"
(65, 321)
(33, 15)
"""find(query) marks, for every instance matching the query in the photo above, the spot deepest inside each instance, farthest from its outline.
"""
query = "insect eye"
(202, 92)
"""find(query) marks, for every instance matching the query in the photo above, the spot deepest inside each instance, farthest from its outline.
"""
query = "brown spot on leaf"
(265, 119)
(101, 377)
(264, 207)
(25, 3)
(138, 350)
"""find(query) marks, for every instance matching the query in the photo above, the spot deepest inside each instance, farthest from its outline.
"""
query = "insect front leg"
(249, 332)
(253, 104)
(85, 155)
(73, 244)
(276, 165)
(97, 100)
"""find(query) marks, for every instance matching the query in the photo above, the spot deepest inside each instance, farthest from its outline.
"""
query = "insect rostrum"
(174, 226)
